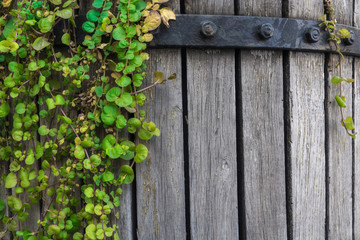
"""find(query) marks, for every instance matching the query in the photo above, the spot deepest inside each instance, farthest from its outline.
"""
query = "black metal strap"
(249, 32)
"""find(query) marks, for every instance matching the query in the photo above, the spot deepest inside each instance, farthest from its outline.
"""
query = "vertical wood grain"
(160, 178)
(212, 135)
(263, 131)
(340, 144)
(357, 127)
(307, 133)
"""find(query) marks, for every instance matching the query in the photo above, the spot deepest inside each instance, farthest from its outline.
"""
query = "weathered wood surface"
(307, 133)
(212, 135)
(340, 144)
(261, 91)
(160, 179)
(356, 108)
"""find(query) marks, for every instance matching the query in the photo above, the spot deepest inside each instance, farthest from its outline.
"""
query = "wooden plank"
(307, 133)
(263, 131)
(212, 144)
(340, 144)
(160, 179)
(357, 126)
(212, 135)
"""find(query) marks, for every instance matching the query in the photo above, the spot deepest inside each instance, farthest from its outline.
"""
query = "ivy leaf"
(17, 135)
(124, 100)
(30, 159)
(99, 91)
(145, 134)
(151, 22)
(349, 80)
(45, 25)
(90, 231)
(93, 15)
(20, 108)
(141, 153)
(115, 152)
(50, 103)
(336, 80)
(8, 46)
(340, 101)
(119, 34)
(140, 5)
(15, 204)
(79, 152)
(89, 208)
(96, 160)
(88, 27)
(124, 81)
(65, 13)
(166, 15)
(4, 109)
(120, 121)
(53, 230)
(109, 114)
(11, 180)
(89, 192)
(40, 43)
(349, 123)
(59, 100)
(43, 130)
(55, 2)
(159, 77)
(98, 3)
(107, 176)
(65, 39)
(113, 94)
(127, 174)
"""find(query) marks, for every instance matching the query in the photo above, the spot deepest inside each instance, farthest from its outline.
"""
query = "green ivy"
(100, 80)
(336, 36)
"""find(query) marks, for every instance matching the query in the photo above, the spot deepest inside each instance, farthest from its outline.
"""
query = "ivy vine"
(336, 37)
(94, 91)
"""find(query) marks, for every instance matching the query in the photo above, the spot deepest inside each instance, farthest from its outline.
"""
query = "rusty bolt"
(313, 35)
(208, 28)
(350, 41)
(266, 31)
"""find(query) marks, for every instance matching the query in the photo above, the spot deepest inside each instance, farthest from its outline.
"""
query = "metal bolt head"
(208, 28)
(313, 35)
(350, 41)
(266, 31)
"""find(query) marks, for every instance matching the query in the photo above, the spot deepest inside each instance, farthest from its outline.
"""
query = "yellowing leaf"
(159, 77)
(148, 37)
(152, 21)
(159, 1)
(6, 3)
(166, 15)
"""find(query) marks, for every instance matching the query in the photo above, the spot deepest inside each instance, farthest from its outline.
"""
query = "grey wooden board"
(357, 127)
(340, 160)
(307, 134)
(357, 153)
(263, 131)
(160, 179)
(340, 144)
(212, 135)
(264, 157)
(212, 144)
(307, 142)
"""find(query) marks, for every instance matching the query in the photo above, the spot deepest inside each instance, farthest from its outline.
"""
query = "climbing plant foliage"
(69, 114)
(336, 36)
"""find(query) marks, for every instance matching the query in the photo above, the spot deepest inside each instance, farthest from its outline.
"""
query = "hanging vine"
(92, 88)
(336, 36)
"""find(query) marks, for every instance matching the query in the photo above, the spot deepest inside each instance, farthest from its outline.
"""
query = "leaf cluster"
(71, 164)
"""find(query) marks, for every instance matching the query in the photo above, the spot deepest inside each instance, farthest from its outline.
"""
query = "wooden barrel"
(251, 143)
